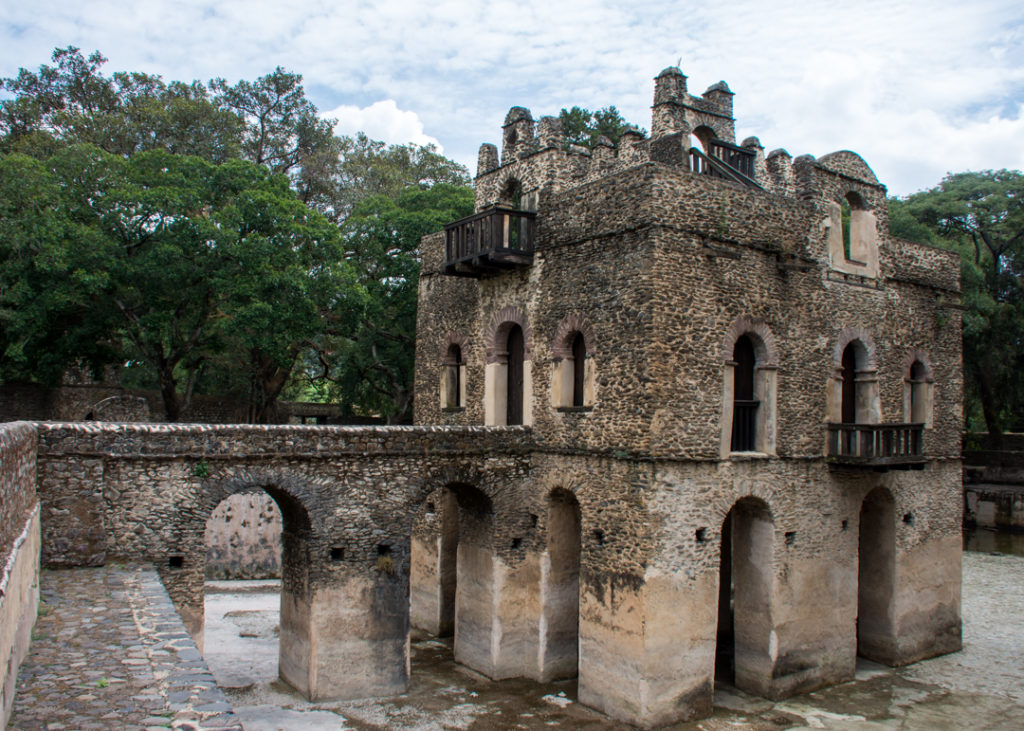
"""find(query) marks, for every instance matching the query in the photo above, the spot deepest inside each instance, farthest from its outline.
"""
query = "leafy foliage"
(981, 216)
(584, 127)
(188, 232)
(373, 365)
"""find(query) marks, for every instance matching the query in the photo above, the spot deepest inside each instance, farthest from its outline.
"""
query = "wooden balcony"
(876, 446)
(489, 242)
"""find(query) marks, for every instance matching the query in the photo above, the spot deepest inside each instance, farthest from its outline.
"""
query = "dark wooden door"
(849, 413)
(514, 404)
(579, 369)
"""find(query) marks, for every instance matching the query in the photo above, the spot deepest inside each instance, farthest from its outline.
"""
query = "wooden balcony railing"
(876, 446)
(489, 241)
(744, 425)
(726, 161)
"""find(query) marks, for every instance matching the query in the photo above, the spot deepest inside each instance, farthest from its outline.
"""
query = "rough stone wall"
(17, 481)
(146, 492)
(661, 263)
(243, 538)
(19, 554)
(665, 269)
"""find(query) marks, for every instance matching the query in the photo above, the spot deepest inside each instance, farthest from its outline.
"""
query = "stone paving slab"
(109, 651)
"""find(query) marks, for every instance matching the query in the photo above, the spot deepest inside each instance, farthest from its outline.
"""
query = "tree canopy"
(190, 233)
(981, 216)
(584, 127)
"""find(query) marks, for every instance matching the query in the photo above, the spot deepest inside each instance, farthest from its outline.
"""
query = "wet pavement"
(981, 687)
(109, 652)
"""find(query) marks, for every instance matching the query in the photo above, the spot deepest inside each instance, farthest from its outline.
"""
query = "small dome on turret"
(671, 71)
(720, 86)
(517, 114)
(752, 142)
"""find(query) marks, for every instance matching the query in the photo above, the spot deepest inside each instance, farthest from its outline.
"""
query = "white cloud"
(382, 121)
(910, 85)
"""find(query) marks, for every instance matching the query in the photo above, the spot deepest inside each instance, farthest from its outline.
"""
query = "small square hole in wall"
(517, 542)
(176, 562)
(908, 518)
(846, 524)
(383, 549)
(337, 553)
(790, 538)
(533, 520)
(431, 509)
(599, 536)
(702, 535)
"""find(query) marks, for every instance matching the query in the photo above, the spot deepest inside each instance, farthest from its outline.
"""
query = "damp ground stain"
(981, 687)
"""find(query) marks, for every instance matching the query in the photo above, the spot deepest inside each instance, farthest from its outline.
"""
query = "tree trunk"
(989, 407)
(169, 393)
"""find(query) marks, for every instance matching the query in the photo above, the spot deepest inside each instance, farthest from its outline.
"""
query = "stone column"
(347, 639)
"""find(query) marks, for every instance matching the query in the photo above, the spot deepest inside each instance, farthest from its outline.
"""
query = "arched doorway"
(742, 656)
(433, 564)
(561, 605)
(876, 567)
(258, 631)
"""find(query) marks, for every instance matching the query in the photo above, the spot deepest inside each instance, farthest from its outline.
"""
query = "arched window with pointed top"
(573, 379)
(918, 398)
(749, 388)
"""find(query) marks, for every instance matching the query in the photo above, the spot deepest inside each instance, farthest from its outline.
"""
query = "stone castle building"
(745, 397)
(686, 414)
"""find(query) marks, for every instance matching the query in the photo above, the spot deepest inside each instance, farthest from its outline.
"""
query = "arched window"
(572, 382)
(917, 391)
(749, 390)
(853, 236)
(508, 374)
(744, 411)
(453, 375)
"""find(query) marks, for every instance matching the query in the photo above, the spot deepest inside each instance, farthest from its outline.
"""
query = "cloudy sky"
(919, 89)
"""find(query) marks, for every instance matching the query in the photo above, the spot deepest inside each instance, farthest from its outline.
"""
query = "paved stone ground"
(109, 652)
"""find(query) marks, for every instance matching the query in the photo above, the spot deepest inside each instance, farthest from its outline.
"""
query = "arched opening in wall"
(744, 413)
(858, 226)
(450, 578)
(516, 349)
(749, 390)
(876, 568)
(256, 597)
(701, 137)
(512, 194)
(432, 573)
(742, 653)
(561, 608)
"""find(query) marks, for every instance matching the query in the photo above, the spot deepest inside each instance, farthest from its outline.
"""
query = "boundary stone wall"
(19, 554)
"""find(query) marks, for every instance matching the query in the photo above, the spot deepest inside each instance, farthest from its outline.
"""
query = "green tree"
(172, 261)
(584, 127)
(372, 367)
(72, 102)
(981, 216)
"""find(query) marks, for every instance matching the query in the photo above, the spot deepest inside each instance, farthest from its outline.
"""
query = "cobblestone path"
(109, 652)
